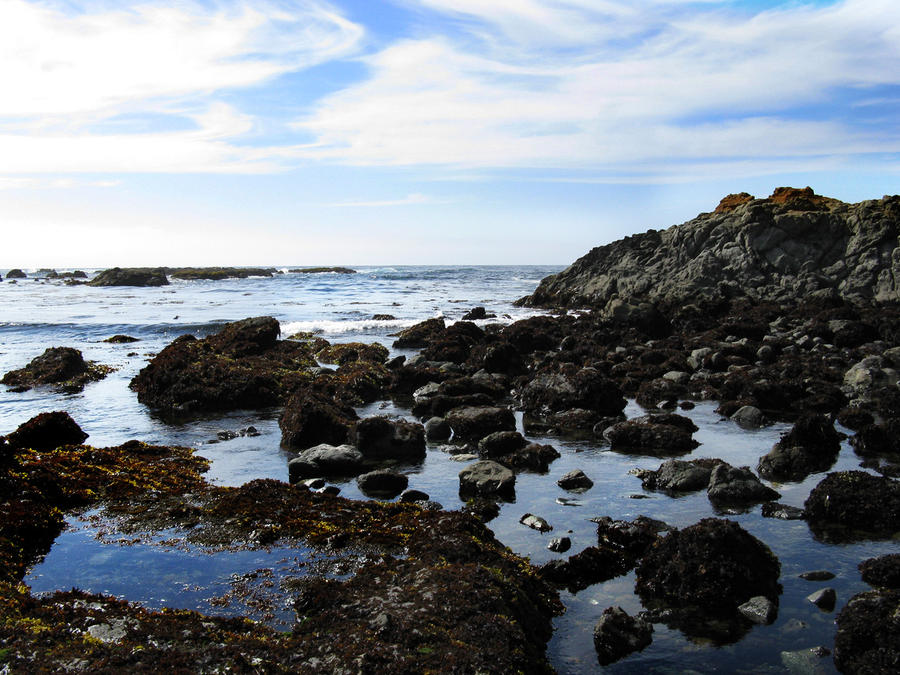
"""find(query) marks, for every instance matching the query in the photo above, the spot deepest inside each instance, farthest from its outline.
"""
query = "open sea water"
(160, 571)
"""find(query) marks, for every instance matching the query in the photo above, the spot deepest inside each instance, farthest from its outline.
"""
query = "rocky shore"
(780, 309)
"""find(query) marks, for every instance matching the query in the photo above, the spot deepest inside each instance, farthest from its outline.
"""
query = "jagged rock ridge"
(793, 245)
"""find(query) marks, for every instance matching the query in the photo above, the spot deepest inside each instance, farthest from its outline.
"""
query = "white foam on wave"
(340, 327)
(336, 327)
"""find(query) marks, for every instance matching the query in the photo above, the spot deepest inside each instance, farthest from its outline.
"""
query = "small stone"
(782, 511)
(748, 417)
(759, 609)
(824, 599)
(559, 544)
(817, 575)
(535, 522)
(575, 480)
(437, 429)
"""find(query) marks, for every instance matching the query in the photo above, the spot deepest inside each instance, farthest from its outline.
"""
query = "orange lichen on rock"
(732, 201)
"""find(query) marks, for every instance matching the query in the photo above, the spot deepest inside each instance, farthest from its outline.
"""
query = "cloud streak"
(68, 77)
(637, 87)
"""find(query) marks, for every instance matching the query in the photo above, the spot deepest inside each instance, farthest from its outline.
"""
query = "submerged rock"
(759, 609)
(617, 635)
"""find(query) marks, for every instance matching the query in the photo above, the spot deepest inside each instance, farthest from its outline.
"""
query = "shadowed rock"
(63, 367)
(130, 276)
(47, 431)
(617, 635)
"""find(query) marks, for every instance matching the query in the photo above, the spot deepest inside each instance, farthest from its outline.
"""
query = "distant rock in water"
(16, 274)
(793, 244)
(324, 270)
(131, 276)
(216, 273)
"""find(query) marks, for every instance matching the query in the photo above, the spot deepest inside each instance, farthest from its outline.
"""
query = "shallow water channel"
(160, 570)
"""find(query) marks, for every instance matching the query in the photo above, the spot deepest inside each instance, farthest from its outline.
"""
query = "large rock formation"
(793, 244)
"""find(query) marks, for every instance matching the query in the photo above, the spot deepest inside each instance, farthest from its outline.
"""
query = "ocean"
(156, 571)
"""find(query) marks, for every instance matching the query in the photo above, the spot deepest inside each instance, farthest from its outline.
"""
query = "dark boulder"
(244, 365)
(349, 352)
(500, 443)
(325, 460)
(737, 486)
(437, 429)
(47, 431)
(474, 423)
(533, 457)
(131, 276)
(878, 440)
(587, 388)
(476, 314)
(420, 334)
(714, 564)
(16, 273)
(311, 418)
(617, 635)
(812, 445)
(63, 367)
(454, 344)
(854, 500)
(653, 434)
(676, 475)
(382, 483)
(121, 339)
(575, 480)
(389, 438)
(218, 273)
(868, 634)
(487, 479)
(497, 357)
(883, 571)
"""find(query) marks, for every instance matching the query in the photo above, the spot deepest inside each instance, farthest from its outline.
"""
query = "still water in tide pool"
(160, 571)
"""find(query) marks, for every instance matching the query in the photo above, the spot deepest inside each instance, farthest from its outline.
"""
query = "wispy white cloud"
(414, 199)
(637, 86)
(67, 73)
(32, 183)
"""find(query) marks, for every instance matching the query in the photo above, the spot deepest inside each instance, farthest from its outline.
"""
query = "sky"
(368, 132)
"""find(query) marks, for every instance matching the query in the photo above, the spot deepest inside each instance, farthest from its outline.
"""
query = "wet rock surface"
(868, 634)
(845, 501)
(883, 571)
(242, 366)
(811, 446)
(46, 431)
(617, 634)
(61, 367)
(131, 276)
(467, 602)
(714, 564)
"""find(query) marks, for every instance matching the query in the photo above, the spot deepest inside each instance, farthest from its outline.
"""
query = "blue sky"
(423, 131)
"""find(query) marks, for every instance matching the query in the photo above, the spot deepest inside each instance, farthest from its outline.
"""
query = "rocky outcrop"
(715, 564)
(62, 367)
(217, 273)
(131, 276)
(242, 366)
(811, 445)
(617, 635)
(793, 244)
(16, 274)
(46, 431)
(857, 501)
